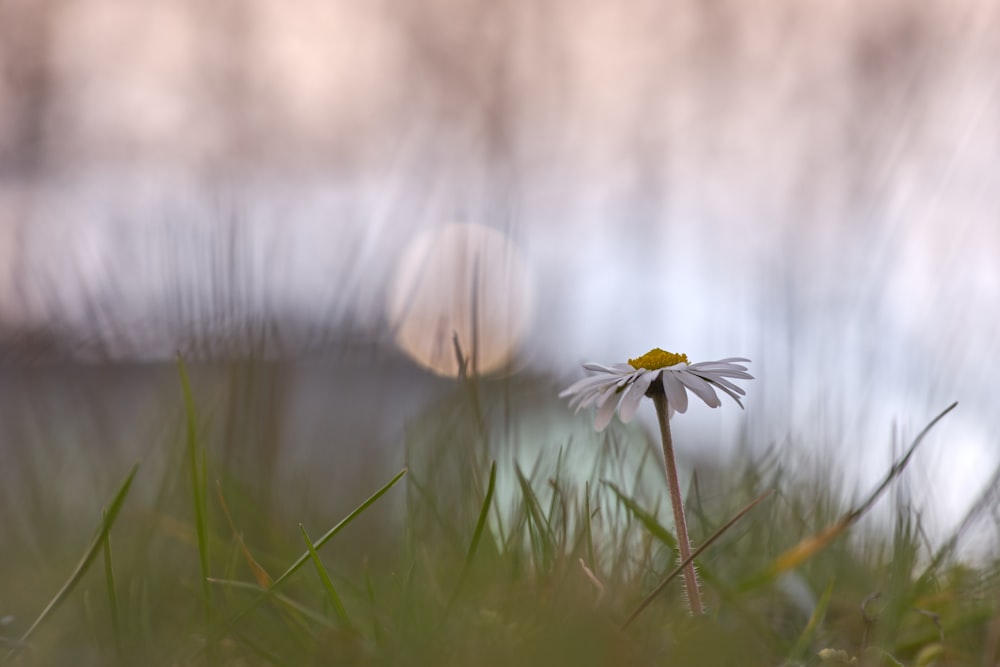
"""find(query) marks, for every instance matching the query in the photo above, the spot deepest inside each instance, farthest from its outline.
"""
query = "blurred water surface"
(811, 185)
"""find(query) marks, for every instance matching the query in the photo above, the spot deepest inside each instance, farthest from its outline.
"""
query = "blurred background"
(347, 192)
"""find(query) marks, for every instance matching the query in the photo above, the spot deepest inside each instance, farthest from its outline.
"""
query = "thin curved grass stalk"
(697, 552)
(987, 499)
(810, 546)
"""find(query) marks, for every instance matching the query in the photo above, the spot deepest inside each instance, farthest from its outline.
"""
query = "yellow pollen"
(656, 359)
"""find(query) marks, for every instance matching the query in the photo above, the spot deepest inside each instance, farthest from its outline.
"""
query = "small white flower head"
(621, 386)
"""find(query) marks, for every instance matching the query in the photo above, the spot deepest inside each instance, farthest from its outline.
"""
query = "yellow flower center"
(656, 359)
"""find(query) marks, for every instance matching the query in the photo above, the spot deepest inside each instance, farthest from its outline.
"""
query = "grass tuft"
(562, 554)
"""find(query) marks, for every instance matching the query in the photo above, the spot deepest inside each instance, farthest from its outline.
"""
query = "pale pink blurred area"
(809, 184)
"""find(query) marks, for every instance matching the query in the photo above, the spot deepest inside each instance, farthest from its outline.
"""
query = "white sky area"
(807, 184)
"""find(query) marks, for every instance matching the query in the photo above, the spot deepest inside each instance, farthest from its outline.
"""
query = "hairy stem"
(670, 466)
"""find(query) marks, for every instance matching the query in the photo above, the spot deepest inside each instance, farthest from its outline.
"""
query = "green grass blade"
(370, 590)
(196, 457)
(109, 516)
(288, 602)
(648, 520)
(477, 535)
(258, 570)
(697, 552)
(294, 567)
(588, 528)
(324, 577)
(707, 574)
(429, 500)
(346, 521)
(109, 579)
(805, 639)
(543, 532)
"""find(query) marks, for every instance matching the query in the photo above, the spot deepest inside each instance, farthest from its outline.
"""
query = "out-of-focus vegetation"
(471, 546)
(814, 182)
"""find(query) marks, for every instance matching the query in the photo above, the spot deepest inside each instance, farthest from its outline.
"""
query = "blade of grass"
(477, 535)
(259, 573)
(708, 576)
(553, 483)
(294, 567)
(813, 544)
(815, 618)
(986, 500)
(498, 515)
(430, 500)
(324, 577)
(109, 579)
(588, 528)
(680, 566)
(647, 519)
(560, 521)
(346, 521)
(305, 611)
(196, 467)
(545, 539)
(109, 516)
(370, 589)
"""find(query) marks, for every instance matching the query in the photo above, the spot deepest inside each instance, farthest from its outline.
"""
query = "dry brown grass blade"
(813, 544)
(697, 552)
(810, 546)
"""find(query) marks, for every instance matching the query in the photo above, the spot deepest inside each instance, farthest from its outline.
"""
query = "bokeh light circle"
(463, 281)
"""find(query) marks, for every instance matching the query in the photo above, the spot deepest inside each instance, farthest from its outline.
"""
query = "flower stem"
(670, 466)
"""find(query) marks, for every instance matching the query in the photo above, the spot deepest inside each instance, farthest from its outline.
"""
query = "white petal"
(582, 390)
(593, 394)
(732, 394)
(606, 412)
(732, 361)
(676, 394)
(586, 399)
(600, 368)
(717, 367)
(700, 387)
(722, 382)
(579, 385)
(607, 396)
(717, 379)
(633, 396)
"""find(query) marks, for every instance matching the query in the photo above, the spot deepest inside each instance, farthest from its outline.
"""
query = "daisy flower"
(666, 378)
(621, 386)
